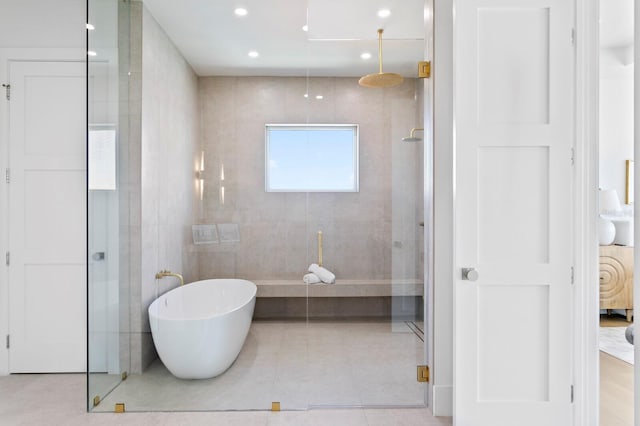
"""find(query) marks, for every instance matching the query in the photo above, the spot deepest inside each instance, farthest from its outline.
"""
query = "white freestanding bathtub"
(198, 329)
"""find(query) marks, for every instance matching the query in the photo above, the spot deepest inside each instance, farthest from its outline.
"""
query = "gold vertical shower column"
(319, 248)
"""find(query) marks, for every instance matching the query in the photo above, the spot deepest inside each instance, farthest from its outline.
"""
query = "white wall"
(164, 148)
(31, 30)
(616, 119)
(42, 23)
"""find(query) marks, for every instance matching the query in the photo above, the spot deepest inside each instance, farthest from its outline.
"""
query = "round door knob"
(469, 274)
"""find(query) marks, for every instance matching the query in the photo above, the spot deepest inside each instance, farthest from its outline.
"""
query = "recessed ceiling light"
(90, 27)
(253, 54)
(384, 13)
(240, 11)
(305, 28)
(319, 97)
(91, 53)
(366, 55)
(306, 95)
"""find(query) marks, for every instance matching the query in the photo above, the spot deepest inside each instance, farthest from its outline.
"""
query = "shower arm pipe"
(167, 273)
(380, 50)
(319, 248)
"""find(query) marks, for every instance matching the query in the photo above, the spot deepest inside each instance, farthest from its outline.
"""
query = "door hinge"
(8, 342)
(424, 69)
(423, 373)
(7, 175)
(573, 156)
(7, 89)
(572, 275)
(573, 36)
(571, 393)
(7, 258)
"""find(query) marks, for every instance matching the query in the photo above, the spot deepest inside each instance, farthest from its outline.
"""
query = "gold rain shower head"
(380, 79)
(413, 137)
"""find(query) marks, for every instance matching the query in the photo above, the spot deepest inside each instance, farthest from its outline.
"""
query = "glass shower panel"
(365, 331)
(353, 342)
(107, 300)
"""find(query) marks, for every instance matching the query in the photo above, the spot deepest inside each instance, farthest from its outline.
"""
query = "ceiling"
(216, 42)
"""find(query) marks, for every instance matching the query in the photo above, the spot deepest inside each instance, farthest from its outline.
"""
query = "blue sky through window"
(312, 158)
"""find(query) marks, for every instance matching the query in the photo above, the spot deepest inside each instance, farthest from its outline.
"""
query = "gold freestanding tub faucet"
(167, 273)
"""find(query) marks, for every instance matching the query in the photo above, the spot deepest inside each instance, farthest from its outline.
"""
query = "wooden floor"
(616, 384)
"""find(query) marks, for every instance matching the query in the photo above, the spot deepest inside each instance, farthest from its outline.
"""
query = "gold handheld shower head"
(380, 79)
(413, 137)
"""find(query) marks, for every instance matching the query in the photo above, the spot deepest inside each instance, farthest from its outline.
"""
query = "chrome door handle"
(469, 274)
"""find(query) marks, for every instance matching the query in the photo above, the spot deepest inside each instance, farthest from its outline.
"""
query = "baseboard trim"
(442, 401)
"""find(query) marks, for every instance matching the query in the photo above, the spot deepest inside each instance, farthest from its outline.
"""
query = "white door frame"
(7, 55)
(585, 205)
(587, 310)
(440, 320)
(636, 213)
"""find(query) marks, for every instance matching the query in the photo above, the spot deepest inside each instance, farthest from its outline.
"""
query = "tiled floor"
(306, 367)
(300, 365)
(59, 399)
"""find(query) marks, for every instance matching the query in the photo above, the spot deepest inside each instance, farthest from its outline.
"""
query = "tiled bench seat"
(341, 288)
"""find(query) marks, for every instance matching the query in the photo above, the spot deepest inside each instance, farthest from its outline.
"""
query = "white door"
(47, 217)
(513, 168)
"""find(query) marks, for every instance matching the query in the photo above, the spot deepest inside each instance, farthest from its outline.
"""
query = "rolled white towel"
(311, 279)
(324, 274)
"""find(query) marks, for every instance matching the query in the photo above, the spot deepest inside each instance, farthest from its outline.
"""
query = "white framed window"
(311, 158)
